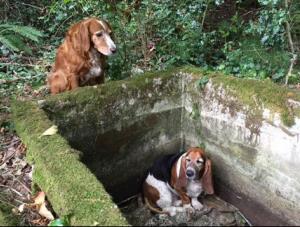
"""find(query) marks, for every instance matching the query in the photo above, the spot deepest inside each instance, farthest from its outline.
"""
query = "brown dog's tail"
(154, 209)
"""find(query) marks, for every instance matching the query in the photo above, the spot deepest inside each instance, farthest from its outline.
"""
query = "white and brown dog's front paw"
(177, 203)
(196, 204)
(188, 208)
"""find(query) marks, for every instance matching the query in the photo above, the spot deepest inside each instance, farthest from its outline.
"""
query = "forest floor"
(16, 188)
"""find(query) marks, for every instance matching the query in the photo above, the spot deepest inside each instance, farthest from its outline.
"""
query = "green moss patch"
(6, 216)
(72, 189)
(254, 93)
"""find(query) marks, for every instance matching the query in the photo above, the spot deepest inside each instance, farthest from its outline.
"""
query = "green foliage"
(202, 82)
(252, 59)
(150, 34)
(244, 38)
(13, 36)
(270, 24)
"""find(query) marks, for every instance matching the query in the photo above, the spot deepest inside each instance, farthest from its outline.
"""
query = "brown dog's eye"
(99, 34)
(188, 160)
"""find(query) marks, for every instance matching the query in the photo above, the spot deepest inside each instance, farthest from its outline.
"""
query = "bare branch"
(292, 48)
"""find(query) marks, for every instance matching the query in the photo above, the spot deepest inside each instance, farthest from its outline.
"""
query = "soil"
(215, 212)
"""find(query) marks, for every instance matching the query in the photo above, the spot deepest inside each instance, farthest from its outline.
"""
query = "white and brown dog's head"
(182, 176)
(92, 33)
(194, 165)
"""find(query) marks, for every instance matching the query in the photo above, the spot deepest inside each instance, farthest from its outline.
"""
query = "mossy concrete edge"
(255, 93)
(72, 189)
(6, 216)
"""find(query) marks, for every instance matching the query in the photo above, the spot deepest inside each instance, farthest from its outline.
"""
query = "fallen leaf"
(45, 212)
(21, 208)
(50, 131)
(40, 205)
(40, 198)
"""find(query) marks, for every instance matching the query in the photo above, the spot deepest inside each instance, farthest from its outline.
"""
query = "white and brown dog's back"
(174, 182)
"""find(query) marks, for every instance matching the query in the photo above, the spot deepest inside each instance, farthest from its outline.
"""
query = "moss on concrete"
(90, 95)
(251, 92)
(69, 185)
(72, 189)
(7, 218)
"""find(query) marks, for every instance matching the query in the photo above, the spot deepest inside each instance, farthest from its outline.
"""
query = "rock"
(216, 203)
(226, 219)
(203, 221)
(164, 220)
(182, 218)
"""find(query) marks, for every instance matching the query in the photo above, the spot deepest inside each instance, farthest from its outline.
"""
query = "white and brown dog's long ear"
(182, 180)
(207, 181)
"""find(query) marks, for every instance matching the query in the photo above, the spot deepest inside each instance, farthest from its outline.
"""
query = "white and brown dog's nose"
(190, 173)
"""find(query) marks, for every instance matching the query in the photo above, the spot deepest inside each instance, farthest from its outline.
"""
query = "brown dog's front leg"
(73, 82)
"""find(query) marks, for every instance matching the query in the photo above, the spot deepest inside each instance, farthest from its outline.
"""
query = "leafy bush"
(250, 58)
(13, 36)
(246, 38)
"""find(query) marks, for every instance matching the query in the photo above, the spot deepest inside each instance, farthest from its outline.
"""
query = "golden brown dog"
(81, 58)
(174, 182)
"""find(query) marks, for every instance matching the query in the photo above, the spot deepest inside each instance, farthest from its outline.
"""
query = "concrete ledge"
(250, 130)
(72, 189)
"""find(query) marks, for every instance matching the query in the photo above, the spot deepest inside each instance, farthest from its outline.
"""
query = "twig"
(32, 6)
(291, 44)
(9, 81)
(7, 158)
(204, 14)
(13, 190)
(62, 24)
(243, 216)
(24, 186)
(10, 204)
(126, 200)
(14, 63)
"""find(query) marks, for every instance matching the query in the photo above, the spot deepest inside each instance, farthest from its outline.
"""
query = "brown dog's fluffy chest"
(95, 67)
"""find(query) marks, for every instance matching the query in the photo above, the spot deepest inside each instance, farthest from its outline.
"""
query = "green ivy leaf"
(202, 82)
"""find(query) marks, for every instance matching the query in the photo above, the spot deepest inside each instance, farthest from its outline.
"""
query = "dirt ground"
(215, 212)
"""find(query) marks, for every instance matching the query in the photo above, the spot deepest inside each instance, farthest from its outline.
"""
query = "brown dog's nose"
(113, 50)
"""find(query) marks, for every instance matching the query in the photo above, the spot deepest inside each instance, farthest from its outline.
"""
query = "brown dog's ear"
(207, 181)
(81, 38)
(182, 180)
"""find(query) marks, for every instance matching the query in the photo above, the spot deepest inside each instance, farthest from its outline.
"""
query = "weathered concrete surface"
(121, 131)
(253, 152)
(250, 130)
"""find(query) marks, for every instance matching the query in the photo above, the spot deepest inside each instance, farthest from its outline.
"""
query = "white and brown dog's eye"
(188, 160)
(199, 161)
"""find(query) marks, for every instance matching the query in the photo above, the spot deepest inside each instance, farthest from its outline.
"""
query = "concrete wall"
(255, 156)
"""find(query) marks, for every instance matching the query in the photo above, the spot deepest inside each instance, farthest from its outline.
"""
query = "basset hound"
(81, 58)
(174, 182)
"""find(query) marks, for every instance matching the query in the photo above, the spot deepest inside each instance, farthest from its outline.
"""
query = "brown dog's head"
(92, 33)
(194, 166)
